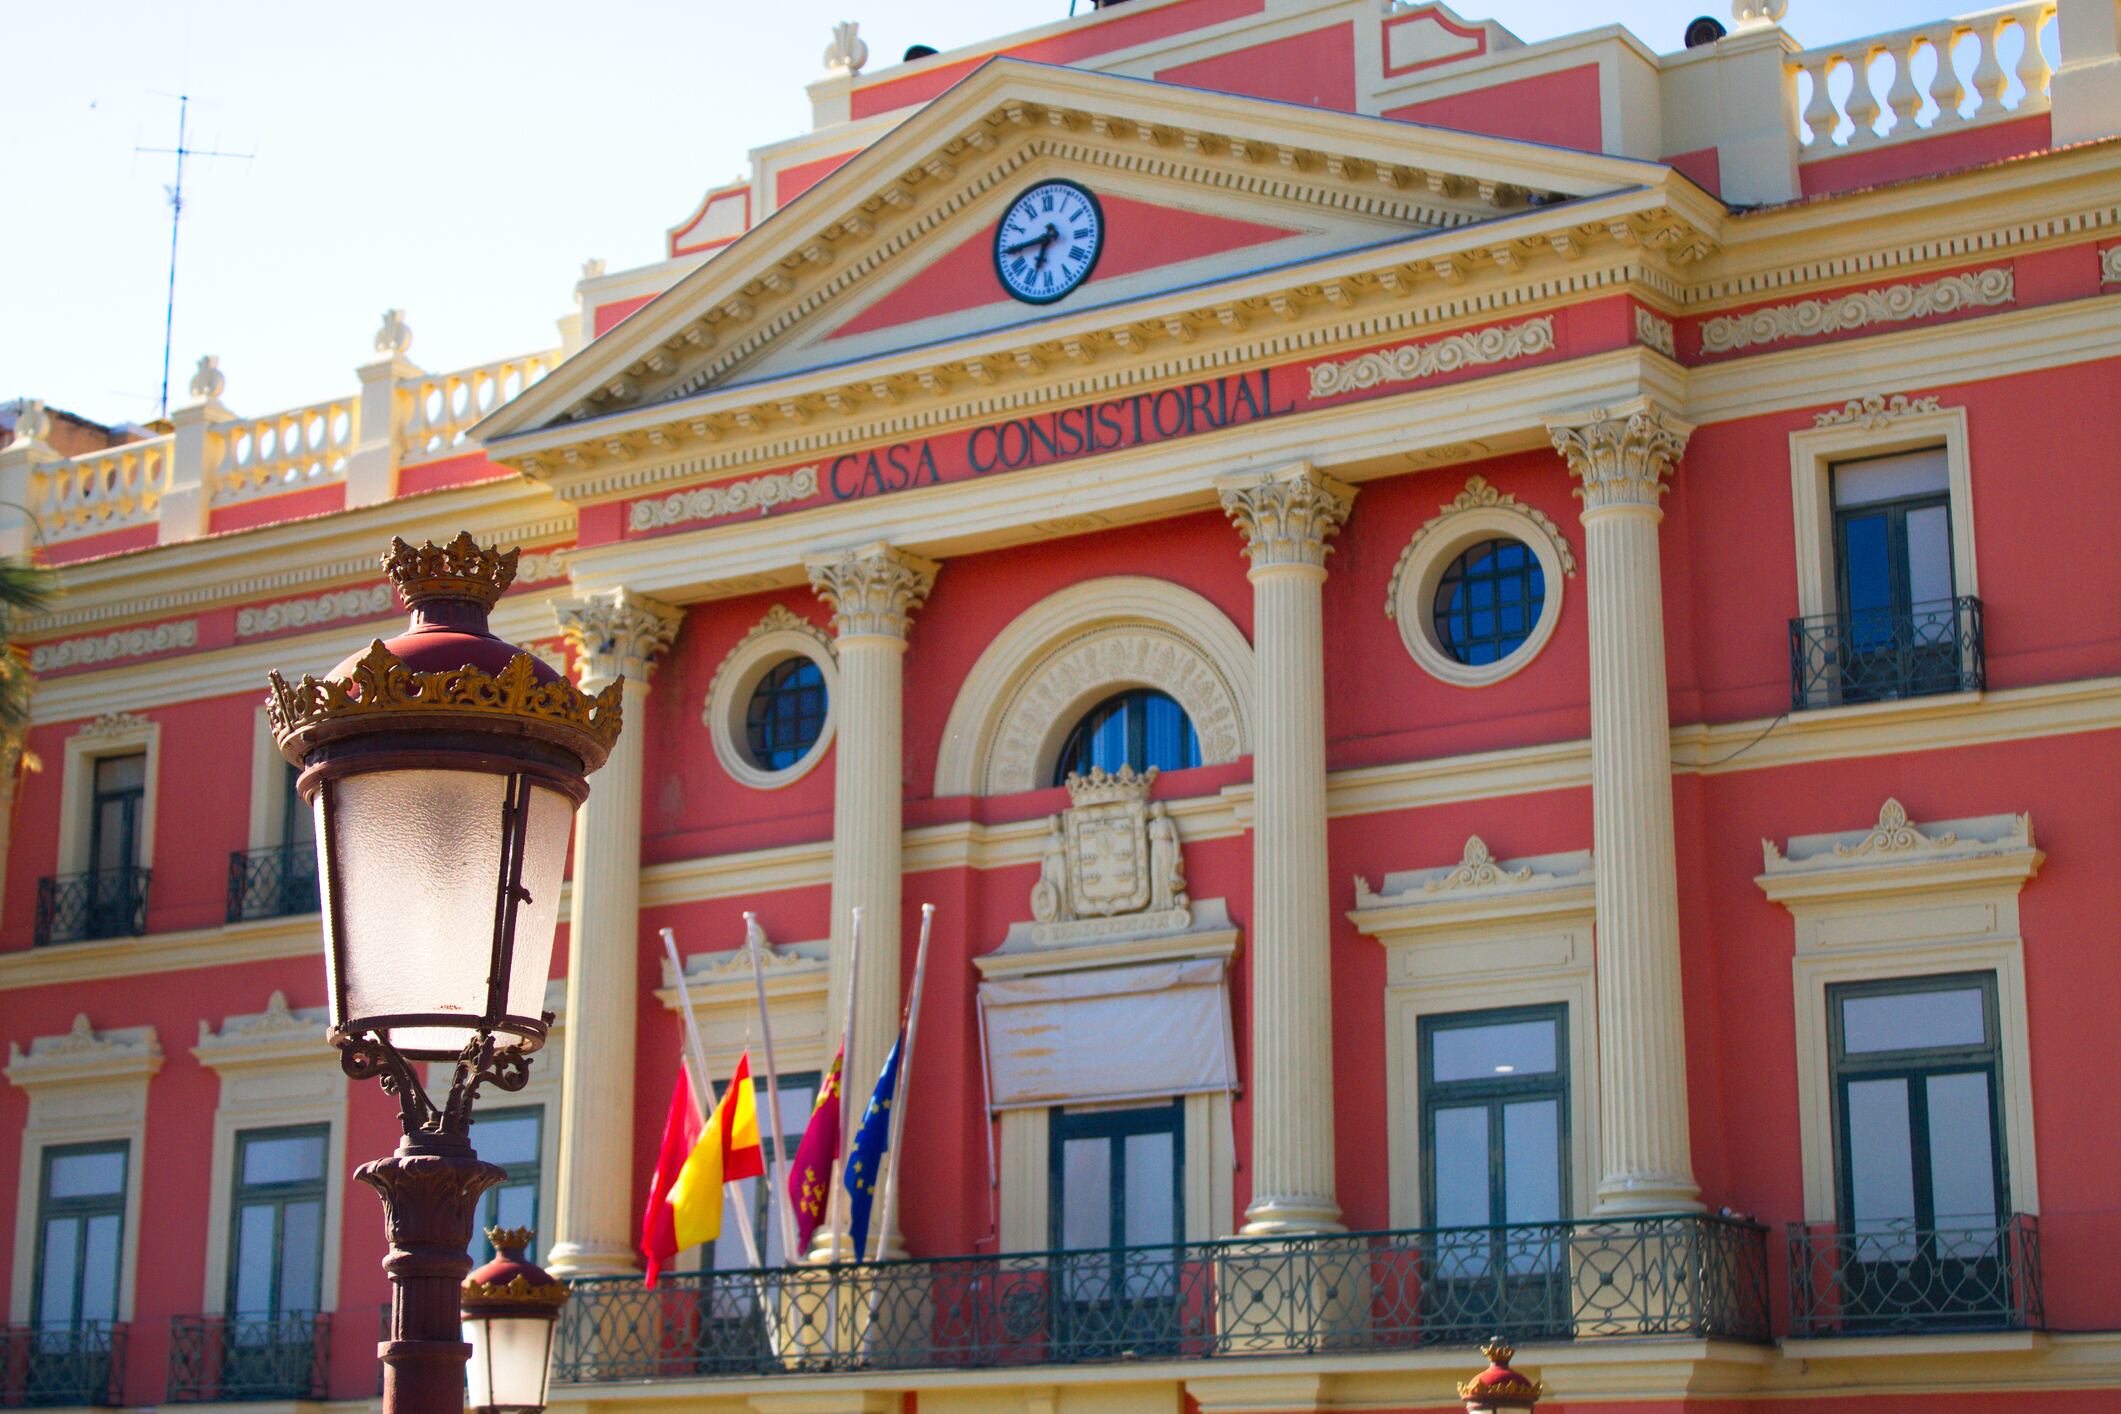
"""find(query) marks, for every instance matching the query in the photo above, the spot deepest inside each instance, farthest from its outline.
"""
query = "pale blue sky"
(458, 159)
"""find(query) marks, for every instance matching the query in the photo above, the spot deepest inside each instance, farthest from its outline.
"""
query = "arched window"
(1141, 728)
(786, 715)
(1488, 601)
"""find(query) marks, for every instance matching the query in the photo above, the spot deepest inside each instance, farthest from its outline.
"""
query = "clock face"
(1048, 241)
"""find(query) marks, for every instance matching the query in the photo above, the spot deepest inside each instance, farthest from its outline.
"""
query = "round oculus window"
(1488, 601)
(786, 714)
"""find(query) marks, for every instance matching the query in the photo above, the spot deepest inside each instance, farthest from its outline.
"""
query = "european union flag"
(865, 1161)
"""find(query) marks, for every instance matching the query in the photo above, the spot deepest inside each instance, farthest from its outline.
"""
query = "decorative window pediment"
(1478, 889)
(1897, 856)
(84, 1054)
(278, 1035)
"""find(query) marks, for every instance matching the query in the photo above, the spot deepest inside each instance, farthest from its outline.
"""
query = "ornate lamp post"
(510, 1307)
(444, 767)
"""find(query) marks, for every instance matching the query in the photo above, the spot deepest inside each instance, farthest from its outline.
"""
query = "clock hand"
(1045, 243)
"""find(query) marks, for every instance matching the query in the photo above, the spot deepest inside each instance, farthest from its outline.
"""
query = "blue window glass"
(786, 715)
(1488, 601)
(1141, 728)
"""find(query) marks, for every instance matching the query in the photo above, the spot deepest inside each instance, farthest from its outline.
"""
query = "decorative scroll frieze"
(1888, 304)
(115, 724)
(1477, 496)
(114, 647)
(761, 493)
(2110, 265)
(1410, 362)
(537, 569)
(308, 613)
(1655, 333)
(1621, 455)
(1874, 412)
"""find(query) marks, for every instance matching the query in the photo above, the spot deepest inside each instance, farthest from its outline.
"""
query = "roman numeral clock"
(1048, 241)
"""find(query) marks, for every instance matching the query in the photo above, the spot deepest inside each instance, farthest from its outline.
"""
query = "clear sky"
(456, 158)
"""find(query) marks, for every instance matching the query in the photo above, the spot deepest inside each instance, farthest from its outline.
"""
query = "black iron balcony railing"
(1896, 1278)
(272, 882)
(1878, 655)
(1686, 1275)
(102, 903)
(62, 1365)
(217, 1358)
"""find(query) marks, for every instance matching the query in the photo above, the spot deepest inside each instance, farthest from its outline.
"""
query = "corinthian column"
(592, 1230)
(873, 591)
(1622, 456)
(1285, 517)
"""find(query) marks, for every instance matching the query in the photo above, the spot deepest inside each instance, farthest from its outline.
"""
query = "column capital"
(1622, 454)
(618, 635)
(873, 589)
(1286, 515)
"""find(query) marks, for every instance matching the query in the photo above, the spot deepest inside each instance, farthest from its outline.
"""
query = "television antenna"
(175, 192)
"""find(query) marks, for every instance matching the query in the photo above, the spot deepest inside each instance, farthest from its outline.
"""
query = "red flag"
(681, 1130)
(810, 1176)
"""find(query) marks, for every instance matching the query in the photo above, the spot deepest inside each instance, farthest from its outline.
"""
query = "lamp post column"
(1622, 456)
(873, 591)
(1285, 517)
(593, 1230)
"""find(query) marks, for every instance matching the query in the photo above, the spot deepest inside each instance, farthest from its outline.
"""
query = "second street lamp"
(444, 768)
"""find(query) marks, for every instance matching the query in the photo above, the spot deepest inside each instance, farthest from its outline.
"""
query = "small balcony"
(62, 1365)
(101, 903)
(1897, 1279)
(1378, 1292)
(272, 883)
(224, 1358)
(1882, 655)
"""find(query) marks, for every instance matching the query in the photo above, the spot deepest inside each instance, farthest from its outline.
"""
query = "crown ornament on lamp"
(1498, 1387)
(510, 1308)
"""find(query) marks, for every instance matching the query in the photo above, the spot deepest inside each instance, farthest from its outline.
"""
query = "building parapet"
(1969, 86)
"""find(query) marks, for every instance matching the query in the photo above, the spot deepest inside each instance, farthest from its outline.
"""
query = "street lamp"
(444, 768)
(510, 1307)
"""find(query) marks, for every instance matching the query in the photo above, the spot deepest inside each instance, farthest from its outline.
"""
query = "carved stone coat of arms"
(1110, 853)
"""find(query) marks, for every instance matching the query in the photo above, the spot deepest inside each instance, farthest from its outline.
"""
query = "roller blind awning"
(1114, 1033)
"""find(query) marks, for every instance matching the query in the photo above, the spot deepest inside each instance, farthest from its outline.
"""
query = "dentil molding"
(1887, 304)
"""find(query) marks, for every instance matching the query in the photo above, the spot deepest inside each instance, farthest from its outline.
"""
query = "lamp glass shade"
(511, 1358)
(417, 909)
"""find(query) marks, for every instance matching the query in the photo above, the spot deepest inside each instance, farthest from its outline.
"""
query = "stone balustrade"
(1922, 81)
(111, 490)
(445, 405)
(261, 456)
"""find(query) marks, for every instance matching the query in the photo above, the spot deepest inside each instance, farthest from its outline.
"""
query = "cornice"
(311, 554)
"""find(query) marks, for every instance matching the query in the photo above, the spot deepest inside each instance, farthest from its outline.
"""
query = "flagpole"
(706, 1087)
(832, 1196)
(777, 1171)
(900, 1087)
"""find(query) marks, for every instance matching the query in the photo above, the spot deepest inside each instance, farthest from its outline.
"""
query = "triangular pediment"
(891, 254)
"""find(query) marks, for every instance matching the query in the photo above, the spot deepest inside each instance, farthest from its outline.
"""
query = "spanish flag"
(728, 1150)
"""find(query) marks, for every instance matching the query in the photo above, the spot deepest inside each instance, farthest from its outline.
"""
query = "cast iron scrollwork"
(368, 1056)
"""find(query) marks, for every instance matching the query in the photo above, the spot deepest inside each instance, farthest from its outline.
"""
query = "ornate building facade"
(1410, 598)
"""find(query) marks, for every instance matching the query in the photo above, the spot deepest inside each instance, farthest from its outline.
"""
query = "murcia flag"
(728, 1150)
(681, 1130)
(810, 1176)
(865, 1161)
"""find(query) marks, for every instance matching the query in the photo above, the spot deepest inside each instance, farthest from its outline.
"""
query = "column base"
(1627, 1197)
(1290, 1217)
(568, 1260)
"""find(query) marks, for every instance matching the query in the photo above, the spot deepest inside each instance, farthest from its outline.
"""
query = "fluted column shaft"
(1622, 457)
(873, 591)
(593, 1221)
(1285, 518)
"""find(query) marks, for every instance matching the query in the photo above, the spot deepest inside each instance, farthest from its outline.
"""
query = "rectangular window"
(1921, 1177)
(277, 1233)
(1117, 1205)
(80, 1226)
(512, 1139)
(1494, 1104)
(298, 823)
(1900, 631)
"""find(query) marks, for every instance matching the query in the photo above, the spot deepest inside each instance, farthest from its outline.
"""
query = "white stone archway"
(1070, 650)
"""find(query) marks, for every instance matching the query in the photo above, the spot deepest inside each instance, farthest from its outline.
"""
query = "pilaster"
(616, 637)
(1286, 518)
(1622, 457)
(873, 591)
(195, 455)
(372, 467)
